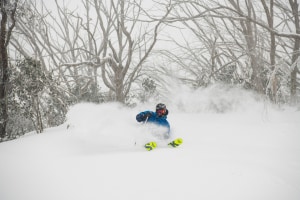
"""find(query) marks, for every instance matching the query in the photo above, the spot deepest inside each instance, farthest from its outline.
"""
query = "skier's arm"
(143, 116)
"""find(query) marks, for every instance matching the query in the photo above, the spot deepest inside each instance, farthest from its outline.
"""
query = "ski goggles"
(161, 111)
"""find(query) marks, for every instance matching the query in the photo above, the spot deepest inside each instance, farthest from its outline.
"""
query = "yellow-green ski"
(176, 142)
(150, 146)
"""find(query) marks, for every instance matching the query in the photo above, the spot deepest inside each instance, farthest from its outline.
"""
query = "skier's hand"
(140, 117)
(143, 117)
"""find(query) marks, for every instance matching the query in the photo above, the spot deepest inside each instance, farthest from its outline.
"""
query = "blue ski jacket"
(152, 117)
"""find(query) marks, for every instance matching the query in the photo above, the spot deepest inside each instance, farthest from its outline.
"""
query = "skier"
(159, 118)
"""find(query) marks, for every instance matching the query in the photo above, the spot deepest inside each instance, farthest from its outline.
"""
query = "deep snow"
(235, 147)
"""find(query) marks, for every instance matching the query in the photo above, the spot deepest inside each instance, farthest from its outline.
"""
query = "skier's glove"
(140, 117)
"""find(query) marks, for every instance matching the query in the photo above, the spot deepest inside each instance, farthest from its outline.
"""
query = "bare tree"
(273, 81)
(296, 50)
(241, 27)
(117, 39)
(221, 45)
(8, 11)
(127, 46)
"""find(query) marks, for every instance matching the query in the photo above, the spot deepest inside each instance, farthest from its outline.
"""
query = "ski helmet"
(161, 106)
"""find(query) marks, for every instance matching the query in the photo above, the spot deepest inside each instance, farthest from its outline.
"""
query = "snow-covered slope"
(234, 148)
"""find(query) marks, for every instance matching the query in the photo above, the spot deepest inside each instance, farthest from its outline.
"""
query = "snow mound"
(109, 125)
(240, 155)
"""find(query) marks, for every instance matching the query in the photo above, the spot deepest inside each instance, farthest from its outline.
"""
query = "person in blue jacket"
(159, 118)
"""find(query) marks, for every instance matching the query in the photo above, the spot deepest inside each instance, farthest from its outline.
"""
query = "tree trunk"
(5, 33)
(4, 73)
(296, 54)
(39, 121)
(273, 85)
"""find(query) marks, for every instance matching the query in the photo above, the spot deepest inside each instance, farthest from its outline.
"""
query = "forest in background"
(127, 50)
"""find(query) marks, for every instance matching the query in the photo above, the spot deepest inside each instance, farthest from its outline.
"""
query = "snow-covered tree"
(255, 42)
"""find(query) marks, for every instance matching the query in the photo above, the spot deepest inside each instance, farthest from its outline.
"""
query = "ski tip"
(150, 146)
(179, 140)
(176, 142)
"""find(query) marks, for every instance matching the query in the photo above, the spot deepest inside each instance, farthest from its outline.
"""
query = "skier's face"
(161, 112)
